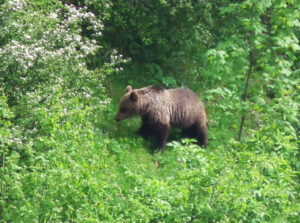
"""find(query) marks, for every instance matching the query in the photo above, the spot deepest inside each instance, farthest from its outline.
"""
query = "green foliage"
(223, 185)
(160, 35)
(64, 66)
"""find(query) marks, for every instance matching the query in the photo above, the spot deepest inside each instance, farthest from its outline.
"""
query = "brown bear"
(162, 109)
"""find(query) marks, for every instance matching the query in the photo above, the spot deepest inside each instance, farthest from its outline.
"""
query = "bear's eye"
(122, 110)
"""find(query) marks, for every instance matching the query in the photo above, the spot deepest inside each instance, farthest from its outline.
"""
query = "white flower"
(53, 15)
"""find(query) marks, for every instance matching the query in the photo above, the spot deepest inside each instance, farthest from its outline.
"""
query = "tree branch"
(250, 70)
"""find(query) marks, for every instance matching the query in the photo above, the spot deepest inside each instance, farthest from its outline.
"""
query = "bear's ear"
(133, 96)
(128, 89)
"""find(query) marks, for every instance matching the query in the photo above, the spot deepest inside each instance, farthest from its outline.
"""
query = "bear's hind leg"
(198, 132)
(202, 136)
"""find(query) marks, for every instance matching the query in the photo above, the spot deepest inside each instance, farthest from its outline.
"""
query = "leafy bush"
(54, 97)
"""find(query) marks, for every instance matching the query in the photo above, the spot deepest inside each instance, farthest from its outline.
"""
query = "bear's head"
(129, 105)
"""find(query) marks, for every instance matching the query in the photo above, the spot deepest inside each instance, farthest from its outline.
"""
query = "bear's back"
(183, 95)
(186, 109)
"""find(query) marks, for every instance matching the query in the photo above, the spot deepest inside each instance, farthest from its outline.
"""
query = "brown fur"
(162, 109)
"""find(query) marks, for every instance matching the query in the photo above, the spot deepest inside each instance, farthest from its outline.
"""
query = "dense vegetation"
(64, 66)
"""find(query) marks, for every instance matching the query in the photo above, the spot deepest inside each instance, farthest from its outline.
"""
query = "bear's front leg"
(146, 129)
(162, 132)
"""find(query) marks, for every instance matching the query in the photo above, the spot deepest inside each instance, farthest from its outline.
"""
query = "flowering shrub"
(55, 97)
(39, 47)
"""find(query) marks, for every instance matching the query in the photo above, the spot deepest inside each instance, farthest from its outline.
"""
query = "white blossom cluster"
(44, 47)
(117, 59)
(16, 5)
(48, 47)
(60, 39)
(105, 102)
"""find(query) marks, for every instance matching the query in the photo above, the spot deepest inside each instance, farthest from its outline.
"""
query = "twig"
(251, 64)
(213, 193)
(3, 166)
(49, 215)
